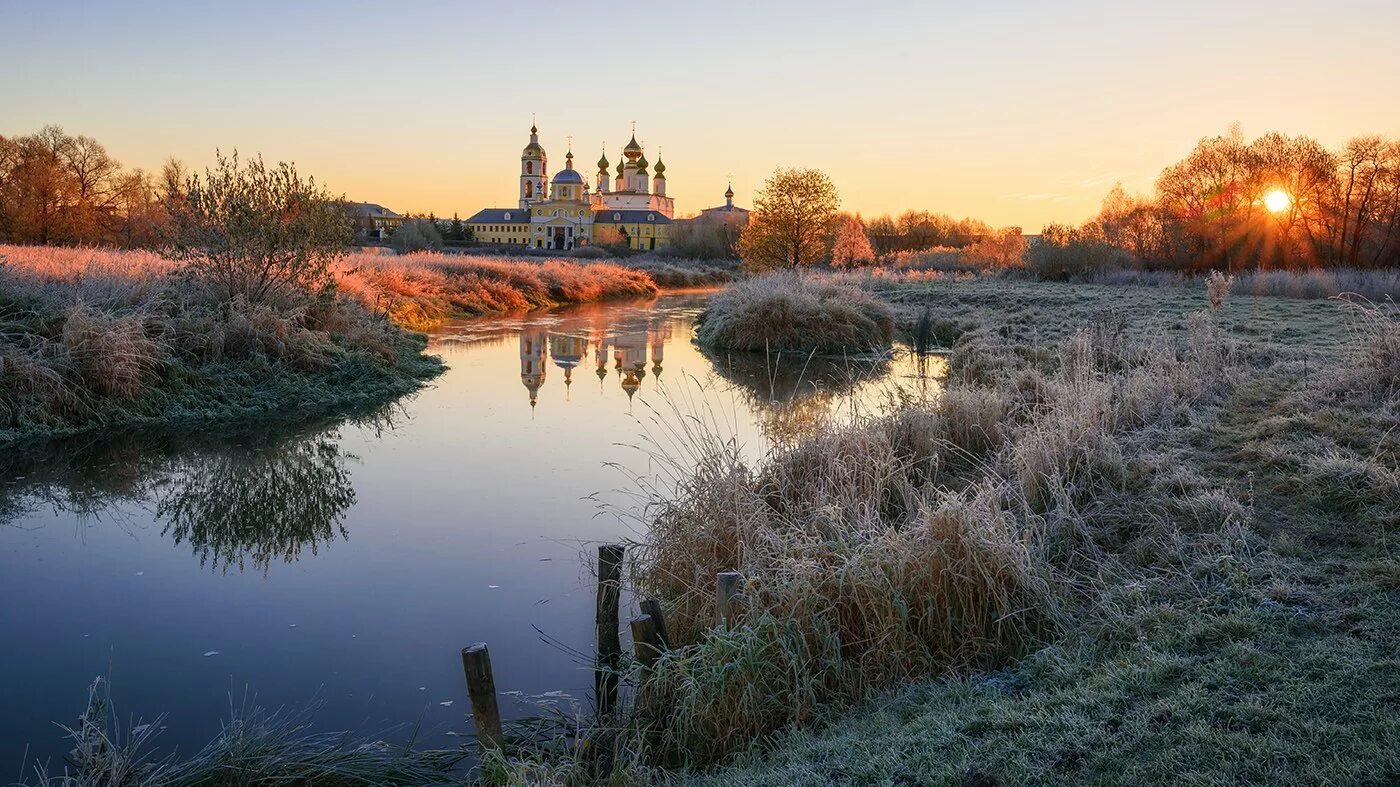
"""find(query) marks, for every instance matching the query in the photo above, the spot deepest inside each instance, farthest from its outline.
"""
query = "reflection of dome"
(532, 384)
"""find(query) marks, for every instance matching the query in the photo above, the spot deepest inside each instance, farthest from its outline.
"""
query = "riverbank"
(1136, 536)
(1213, 498)
(100, 339)
(95, 338)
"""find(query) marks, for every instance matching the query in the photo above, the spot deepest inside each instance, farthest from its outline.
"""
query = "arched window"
(507, 215)
(529, 188)
(529, 168)
(651, 217)
(617, 217)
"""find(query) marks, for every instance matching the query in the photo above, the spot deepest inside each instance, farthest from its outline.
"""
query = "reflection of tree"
(793, 396)
(242, 497)
(260, 505)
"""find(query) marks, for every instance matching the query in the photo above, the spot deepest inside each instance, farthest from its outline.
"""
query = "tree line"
(57, 188)
(1276, 202)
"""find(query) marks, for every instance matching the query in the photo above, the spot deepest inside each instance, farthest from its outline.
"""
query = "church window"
(617, 217)
(529, 188)
(529, 168)
(651, 217)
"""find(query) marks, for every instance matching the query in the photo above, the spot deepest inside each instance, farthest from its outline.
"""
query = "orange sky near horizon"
(1021, 114)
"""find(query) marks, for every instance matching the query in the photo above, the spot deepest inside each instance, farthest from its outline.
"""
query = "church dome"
(532, 150)
(642, 163)
(568, 176)
(632, 147)
(660, 169)
(603, 163)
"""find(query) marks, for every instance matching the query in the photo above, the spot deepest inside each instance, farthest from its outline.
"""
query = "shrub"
(257, 232)
(790, 311)
(1218, 289)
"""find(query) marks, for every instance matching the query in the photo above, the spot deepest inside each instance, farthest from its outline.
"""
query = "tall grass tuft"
(793, 311)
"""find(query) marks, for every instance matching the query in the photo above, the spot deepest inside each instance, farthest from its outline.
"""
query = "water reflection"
(625, 346)
(568, 344)
(242, 499)
(472, 511)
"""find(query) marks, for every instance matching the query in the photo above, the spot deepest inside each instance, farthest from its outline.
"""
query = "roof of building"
(372, 210)
(568, 176)
(605, 216)
(500, 216)
(725, 209)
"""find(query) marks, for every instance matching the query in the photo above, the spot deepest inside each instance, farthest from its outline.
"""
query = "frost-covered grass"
(94, 338)
(423, 290)
(796, 311)
(1148, 541)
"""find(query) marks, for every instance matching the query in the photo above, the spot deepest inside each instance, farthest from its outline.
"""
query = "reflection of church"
(625, 349)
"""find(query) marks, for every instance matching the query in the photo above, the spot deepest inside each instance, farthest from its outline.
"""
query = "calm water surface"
(344, 564)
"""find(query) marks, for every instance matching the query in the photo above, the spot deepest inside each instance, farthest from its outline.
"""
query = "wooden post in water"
(726, 587)
(652, 607)
(481, 688)
(646, 641)
(609, 643)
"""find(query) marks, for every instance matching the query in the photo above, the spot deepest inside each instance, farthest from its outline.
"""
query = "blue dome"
(568, 176)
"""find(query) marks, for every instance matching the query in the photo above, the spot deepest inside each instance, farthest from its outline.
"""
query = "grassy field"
(1138, 539)
(1215, 501)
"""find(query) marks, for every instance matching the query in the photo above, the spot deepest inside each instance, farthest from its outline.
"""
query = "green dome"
(603, 163)
(660, 169)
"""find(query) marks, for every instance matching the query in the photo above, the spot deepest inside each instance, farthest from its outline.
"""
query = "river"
(341, 565)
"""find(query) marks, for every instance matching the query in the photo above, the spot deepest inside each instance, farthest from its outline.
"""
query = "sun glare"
(1277, 201)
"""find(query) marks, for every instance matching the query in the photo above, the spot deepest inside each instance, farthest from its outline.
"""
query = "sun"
(1277, 201)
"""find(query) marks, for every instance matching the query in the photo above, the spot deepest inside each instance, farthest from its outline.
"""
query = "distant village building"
(374, 222)
(728, 213)
(630, 209)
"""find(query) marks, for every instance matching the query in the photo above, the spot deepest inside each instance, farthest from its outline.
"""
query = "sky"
(1018, 113)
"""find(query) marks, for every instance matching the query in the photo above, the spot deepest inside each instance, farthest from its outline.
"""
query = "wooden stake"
(726, 587)
(646, 642)
(652, 607)
(609, 643)
(481, 689)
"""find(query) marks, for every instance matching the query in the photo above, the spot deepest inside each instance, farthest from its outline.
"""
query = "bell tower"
(534, 171)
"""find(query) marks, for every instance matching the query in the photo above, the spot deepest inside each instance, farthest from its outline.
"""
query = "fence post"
(481, 689)
(646, 643)
(652, 607)
(726, 587)
(609, 643)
